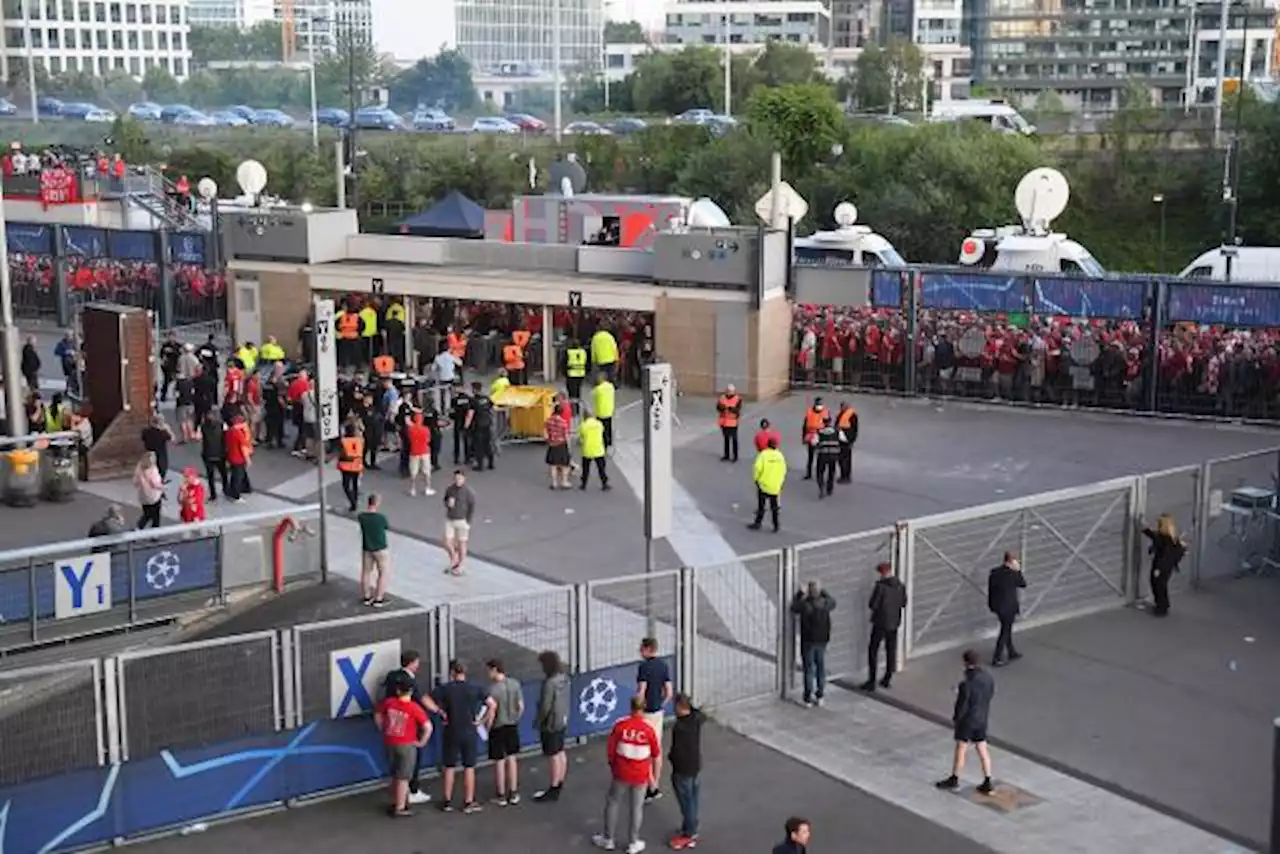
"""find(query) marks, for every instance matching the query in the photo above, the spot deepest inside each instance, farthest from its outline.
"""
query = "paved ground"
(1177, 711)
(748, 792)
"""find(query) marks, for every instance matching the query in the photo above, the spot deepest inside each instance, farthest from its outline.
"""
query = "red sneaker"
(681, 842)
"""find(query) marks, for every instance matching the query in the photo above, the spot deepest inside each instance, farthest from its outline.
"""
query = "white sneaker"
(636, 847)
(413, 493)
(419, 798)
(603, 842)
(429, 492)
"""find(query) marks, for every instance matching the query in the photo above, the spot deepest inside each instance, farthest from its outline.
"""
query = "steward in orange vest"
(729, 409)
(347, 329)
(351, 464)
(814, 417)
(847, 426)
(513, 361)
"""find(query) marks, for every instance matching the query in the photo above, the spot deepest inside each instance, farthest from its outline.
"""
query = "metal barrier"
(72, 589)
(199, 693)
(1176, 492)
(252, 545)
(352, 646)
(1238, 507)
(622, 611)
(736, 637)
(514, 629)
(1076, 547)
(51, 720)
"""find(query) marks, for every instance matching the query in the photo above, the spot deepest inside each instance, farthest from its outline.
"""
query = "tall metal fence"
(164, 737)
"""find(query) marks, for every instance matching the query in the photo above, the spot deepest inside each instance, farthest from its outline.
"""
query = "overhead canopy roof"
(453, 216)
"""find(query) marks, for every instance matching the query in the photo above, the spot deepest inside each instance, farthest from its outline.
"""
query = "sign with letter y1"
(326, 369)
(82, 585)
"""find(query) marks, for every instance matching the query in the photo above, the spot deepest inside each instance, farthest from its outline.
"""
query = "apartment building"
(242, 14)
(748, 22)
(515, 37)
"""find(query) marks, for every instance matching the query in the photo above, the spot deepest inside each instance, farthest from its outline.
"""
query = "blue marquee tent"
(453, 216)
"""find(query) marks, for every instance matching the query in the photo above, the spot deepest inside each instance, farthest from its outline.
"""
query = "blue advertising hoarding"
(986, 292)
(1225, 305)
(132, 245)
(886, 288)
(1089, 298)
(154, 571)
(89, 242)
(186, 247)
(29, 238)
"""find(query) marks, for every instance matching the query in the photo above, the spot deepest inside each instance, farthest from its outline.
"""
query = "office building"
(97, 36)
(749, 23)
(328, 22)
(932, 25)
(242, 14)
(514, 37)
(1088, 51)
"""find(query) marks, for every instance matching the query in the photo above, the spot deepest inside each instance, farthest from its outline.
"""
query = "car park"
(272, 119)
(228, 119)
(246, 113)
(77, 109)
(48, 106)
(333, 117)
(432, 119)
(170, 112)
(493, 124)
(586, 129)
(626, 125)
(378, 118)
(527, 123)
(696, 116)
(100, 116)
(145, 111)
(193, 118)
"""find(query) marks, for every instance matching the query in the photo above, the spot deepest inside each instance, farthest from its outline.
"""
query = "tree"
(442, 81)
(353, 61)
(160, 85)
(624, 32)
(119, 89)
(803, 122)
(889, 79)
(785, 64)
(670, 83)
(263, 41)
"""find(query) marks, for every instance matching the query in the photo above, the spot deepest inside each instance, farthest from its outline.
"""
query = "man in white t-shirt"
(444, 369)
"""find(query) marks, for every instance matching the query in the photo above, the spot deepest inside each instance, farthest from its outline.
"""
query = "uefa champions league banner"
(96, 582)
(178, 788)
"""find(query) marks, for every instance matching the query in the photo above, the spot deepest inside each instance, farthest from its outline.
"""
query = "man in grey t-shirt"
(459, 508)
(503, 720)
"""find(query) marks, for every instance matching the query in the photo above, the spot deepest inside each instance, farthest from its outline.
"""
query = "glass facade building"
(514, 37)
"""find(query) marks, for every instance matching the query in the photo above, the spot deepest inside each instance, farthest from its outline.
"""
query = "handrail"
(102, 543)
(36, 438)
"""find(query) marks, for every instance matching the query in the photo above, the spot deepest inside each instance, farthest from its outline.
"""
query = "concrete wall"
(285, 304)
(769, 346)
(685, 336)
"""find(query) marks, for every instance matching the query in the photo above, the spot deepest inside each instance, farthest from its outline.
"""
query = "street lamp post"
(311, 52)
(31, 61)
(1231, 193)
(1158, 201)
(728, 67)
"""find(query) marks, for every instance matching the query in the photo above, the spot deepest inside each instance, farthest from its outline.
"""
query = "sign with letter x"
(356, 675)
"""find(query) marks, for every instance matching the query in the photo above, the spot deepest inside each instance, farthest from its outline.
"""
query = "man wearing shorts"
(506, 708)
(653, 685)
(465, 707)
(374, 554)
(973, 707)
(459, 508)
(403, 724)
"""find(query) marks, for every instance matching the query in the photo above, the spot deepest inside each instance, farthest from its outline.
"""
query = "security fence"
(174, 735)
(71, 589)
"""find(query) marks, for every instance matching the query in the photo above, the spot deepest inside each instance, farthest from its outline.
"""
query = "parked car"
(272, 119)
(77, 109)
(626, 125)
(720, 125)
(586, 129)
(228, 119)
(7, 107)
(333, 117)
(696, 116)
(47, 106)
(145, 111)
(493, 124)
(527, 123)
(432, 118)
(246, 113)
(100, 116)
(194, 118)
(378, 118)
(170, 112)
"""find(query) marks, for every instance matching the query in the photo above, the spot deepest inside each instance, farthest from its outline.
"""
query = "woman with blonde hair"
(150, 486)
(1166, 550)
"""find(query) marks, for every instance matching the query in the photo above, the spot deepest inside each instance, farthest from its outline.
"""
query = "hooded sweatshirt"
(553, 704)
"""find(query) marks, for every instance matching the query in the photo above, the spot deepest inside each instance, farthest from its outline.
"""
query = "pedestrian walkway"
(898, 756)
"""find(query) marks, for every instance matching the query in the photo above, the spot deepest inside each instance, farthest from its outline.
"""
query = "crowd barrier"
(72, 589)
(156, 740)
(1139, 344)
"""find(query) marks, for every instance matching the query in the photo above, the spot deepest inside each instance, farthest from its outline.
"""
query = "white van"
(995, 114)
(1249, 264)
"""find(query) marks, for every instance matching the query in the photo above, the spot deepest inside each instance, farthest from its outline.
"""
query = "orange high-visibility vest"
(728, 407)
(520, 338)
(845, 421)
(384, 365)
(348, 325)
(458, 345)
(352, 459)
(513, 357)
(813, 420)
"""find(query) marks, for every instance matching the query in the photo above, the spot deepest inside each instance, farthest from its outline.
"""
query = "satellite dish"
(207, 188)
(566, 186)
(704, 213)
(1041, 197)
(533, 174)
(252, 177)
(573, 171)
(972, 250)
(846, 214)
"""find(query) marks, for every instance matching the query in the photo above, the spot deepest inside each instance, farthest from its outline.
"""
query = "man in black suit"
(888, 599)
(1003, 585)
(973, 708)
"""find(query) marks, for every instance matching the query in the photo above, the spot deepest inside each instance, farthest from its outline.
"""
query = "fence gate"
(846, 568)
(736, 628)
(1176, 492)
(1076, 547)
(621, 611)
(513, 629)
(51, 721)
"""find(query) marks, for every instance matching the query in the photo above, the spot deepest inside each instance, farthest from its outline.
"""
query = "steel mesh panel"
(1237, 542)
(735, 651)
(619, 612)
(846, 568)
(1175, 493)
(197, 695)
(413, 630)
(48, 722)
(513, 629)
(1075, 554)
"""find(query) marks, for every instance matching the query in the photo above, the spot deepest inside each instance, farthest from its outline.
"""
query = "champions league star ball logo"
(598, 700)
(162, 570)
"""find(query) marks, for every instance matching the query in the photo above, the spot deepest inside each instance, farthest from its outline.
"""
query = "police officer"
(828, 450)
(847, 426)
(394, 324)
(575, 369)
(480, 427)
(461, 415)
(728, 409)
(813, 420)
(372, 418)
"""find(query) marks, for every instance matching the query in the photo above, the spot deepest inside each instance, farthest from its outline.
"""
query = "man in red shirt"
(765, 433)
(419, 436)
(403, 724)
(634, 751)
(239, 449)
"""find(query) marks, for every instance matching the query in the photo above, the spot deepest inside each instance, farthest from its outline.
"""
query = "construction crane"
(288, 34)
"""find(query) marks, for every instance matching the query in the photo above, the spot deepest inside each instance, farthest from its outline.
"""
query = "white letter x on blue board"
(353, 675)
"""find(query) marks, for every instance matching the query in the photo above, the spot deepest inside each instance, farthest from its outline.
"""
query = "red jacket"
(419, 440)
(632, 747)
(239, 445)
(763, 437)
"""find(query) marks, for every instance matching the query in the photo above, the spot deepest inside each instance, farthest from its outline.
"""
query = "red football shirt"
(419, 440)
(632, 746)
(400, 720)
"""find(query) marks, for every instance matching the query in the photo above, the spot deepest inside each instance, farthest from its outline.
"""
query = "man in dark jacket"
(1003, 585)
(685, 756)
(213, 450)
(973, 707)
(888, 599)
(813, 608)
(828, 457)
(797, 841)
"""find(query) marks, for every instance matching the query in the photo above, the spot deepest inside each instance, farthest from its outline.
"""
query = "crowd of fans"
(199, 294)
(1201, 370)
